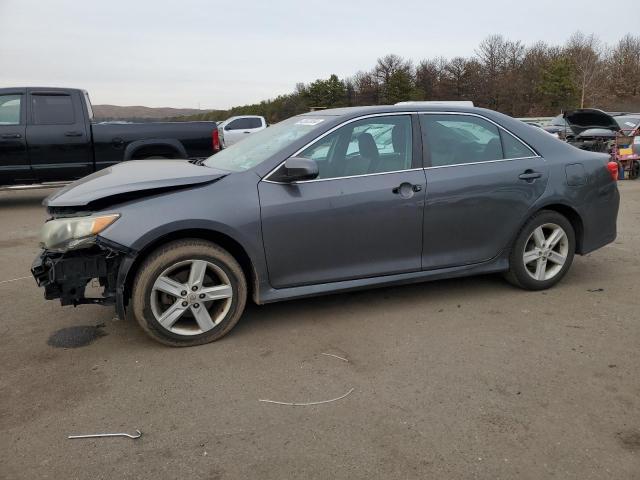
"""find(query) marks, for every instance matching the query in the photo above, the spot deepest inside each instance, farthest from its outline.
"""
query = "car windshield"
(259, 146)
(628, 122)
(558, 121)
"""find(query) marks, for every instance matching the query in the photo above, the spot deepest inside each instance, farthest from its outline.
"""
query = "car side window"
(460, 139)
(10, 109)
(244, 124)
(52, 110)
(253, 123)
(372, 145)
(236, 124)
(514, 148)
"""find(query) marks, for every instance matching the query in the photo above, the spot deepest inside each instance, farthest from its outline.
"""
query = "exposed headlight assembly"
(64, 234)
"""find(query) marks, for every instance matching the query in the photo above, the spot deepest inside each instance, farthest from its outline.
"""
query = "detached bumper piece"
(66, 275)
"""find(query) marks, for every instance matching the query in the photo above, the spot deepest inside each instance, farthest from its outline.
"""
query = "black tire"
(522, 276)
(145, 300)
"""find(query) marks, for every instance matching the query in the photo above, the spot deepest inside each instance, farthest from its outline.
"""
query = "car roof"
(415, 107)
(47, 89)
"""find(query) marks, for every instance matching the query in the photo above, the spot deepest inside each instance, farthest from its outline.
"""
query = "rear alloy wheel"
(189, 292)
(543, 252)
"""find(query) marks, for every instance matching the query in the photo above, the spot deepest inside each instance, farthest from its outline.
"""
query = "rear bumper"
(600, 219)
(65, 276)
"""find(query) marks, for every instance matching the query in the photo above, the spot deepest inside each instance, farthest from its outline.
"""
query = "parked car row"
(616, 133)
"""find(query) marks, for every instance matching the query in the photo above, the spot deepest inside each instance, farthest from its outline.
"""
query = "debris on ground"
(336, 356)
(297, 404)
(103, 435)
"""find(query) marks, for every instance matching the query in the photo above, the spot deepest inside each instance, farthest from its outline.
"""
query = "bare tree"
(585, 51)
(624, 66)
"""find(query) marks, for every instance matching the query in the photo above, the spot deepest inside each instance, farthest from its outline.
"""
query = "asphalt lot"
(452, 380)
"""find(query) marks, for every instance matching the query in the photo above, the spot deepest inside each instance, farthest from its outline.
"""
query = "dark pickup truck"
(48, 135)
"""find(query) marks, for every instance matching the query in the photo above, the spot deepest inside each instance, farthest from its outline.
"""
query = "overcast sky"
(217, 54)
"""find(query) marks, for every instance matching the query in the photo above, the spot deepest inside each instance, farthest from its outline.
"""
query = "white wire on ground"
(295, 404)
(15, 279)
(336, 356)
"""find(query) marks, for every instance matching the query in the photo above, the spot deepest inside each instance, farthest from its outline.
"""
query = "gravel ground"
(455, 379)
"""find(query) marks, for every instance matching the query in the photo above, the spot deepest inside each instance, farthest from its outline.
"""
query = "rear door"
(58, 136)
(481, 182)
(14, 159)
(362, 216)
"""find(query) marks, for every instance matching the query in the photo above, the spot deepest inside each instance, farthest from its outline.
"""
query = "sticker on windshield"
(310, 121)
(630, 124)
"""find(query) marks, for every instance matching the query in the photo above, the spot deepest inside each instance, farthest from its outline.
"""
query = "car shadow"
(257, 320)
(452, 291)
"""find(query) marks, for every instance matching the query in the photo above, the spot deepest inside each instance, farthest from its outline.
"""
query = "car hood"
(590, 118)
(132, 179)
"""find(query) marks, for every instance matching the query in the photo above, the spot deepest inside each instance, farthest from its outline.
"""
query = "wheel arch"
(221, 239)
(155, 147)
(569, 213)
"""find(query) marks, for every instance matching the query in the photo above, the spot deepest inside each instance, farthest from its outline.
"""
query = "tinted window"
(254, 123)
(514, 148)
(52, 109)
(10, 109)
(458, 139)
(244, 124)
(375, 145)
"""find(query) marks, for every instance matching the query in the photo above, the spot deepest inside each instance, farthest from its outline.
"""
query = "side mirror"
(298, 168)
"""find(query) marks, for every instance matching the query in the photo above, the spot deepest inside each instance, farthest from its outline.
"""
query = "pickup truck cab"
(235, 129)
(48, 135)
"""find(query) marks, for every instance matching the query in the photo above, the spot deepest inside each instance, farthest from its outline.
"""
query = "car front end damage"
(67, 275)
(76, 264)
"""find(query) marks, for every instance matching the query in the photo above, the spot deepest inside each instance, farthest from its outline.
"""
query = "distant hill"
(115, 112)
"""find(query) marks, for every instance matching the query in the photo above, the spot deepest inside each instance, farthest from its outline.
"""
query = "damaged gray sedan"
(321, 203)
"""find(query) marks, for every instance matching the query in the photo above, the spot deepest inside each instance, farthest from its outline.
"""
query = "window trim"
(333, 129)
(425, 155)
(500, 128)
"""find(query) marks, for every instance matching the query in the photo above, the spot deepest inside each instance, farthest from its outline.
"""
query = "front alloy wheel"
(189, 292)
(191, 297)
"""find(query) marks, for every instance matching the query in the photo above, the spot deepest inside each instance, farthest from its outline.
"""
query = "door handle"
(246, 132)
(529, 175)
(72, 134)
(406, 188)
(11, 135)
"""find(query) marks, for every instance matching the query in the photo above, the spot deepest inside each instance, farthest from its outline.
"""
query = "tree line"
(503, 75)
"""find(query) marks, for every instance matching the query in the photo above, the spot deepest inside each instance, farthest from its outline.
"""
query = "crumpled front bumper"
(66, 275)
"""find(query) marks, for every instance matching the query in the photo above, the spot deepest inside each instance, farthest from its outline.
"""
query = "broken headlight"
(62, 234)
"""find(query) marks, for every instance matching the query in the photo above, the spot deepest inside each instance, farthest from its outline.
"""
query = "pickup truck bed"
(48, 135)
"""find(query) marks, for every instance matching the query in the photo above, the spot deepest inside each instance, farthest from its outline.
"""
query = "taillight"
(215, 139)
(613, 170)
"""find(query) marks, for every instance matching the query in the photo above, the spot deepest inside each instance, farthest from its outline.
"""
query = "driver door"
(362, 216)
